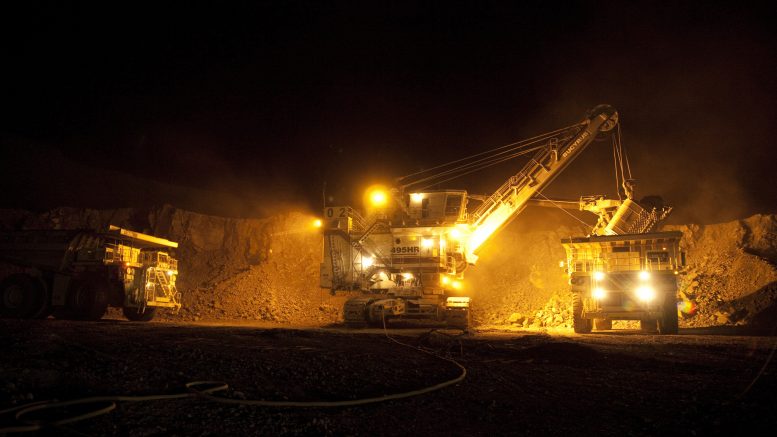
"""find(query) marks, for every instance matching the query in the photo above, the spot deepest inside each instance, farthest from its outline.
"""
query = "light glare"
(378, 198)
(646, 293)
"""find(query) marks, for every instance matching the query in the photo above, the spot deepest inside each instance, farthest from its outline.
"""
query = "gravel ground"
(519, 382)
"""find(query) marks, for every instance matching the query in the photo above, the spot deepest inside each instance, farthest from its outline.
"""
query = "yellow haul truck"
(77, 274)
(625, 277)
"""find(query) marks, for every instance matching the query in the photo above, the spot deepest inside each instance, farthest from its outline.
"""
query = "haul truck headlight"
(427, 243)
(646, 293)
(445, 280)
(407, 276)
(599, 293)
(416, 197)
(366, 261)
(644, 276)
(598, 276)
(457, 285)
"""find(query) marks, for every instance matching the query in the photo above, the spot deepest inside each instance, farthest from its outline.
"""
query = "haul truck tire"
(23, 297)
(602, 324)
(134, 315)
(579, 324)
(647, 326)
(458, 318)
(667, 324)
(88, 298)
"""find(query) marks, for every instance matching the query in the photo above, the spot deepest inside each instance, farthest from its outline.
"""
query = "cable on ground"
(106, 404)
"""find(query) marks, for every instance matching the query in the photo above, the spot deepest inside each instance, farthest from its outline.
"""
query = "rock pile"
(731, 275)
(518, 278)
(557, 313)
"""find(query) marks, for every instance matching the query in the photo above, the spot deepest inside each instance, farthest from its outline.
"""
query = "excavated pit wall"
(267, 269)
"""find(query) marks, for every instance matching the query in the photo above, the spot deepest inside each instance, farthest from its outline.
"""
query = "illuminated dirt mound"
(731, 276)
(518, 279)
(731, 272)
(252, 269)
(267, 269)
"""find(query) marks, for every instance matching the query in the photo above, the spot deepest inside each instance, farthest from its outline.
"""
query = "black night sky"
(239, 110)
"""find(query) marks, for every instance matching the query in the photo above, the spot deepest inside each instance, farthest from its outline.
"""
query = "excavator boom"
(514, 195)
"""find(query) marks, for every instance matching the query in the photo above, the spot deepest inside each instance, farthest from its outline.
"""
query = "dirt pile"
(557, 312)
(731, 276)
(518, 280)
(731, 273)
(252, 269)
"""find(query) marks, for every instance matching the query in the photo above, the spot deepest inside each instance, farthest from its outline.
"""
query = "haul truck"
(625, 277)
(77, 274)
(407, 252)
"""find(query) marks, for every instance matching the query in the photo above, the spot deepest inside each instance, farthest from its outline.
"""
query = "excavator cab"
(436, 207)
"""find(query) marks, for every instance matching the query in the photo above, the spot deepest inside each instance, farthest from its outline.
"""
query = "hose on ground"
(198, 389)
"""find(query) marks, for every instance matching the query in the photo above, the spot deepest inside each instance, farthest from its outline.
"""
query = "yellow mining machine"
(625, 277)
(408, 251)
(77, 274)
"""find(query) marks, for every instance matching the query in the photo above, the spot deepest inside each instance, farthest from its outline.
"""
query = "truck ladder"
(335, 256)
(366, 234)
(170, 296)
(361, 244)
